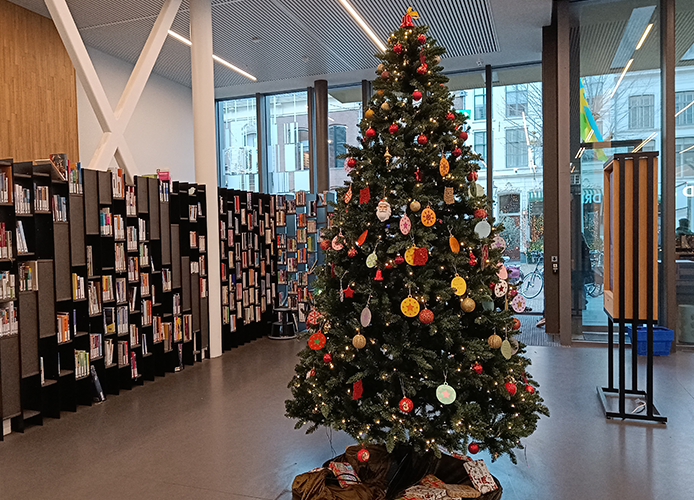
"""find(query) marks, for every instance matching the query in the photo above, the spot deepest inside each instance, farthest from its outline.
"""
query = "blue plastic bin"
(662, 339)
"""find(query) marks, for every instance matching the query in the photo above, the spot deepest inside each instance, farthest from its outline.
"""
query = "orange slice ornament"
(444, 167)
(453, 243)
(428, 217)
(409, 255)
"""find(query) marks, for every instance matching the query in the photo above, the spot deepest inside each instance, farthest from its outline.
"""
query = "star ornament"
(445, 393)
(348, 292)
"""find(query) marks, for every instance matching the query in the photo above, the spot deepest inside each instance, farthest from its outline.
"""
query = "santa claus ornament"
(383, 210)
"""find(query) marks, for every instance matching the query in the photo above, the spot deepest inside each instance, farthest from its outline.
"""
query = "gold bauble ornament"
(410, 307)
(369, 114)
(415, 206)
(437, 59)
(494, 341)
(468, 305)
(359, 341)
(385, 106)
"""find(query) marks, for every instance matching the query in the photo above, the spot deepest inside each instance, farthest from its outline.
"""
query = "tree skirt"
(384, 477)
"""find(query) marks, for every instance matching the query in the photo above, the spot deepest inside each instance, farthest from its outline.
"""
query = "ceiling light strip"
(621, 77)
(365, 27)
(214, 57)
(643, 37)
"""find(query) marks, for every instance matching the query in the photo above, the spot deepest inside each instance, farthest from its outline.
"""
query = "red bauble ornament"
(397, 48)
(363, 455)
(450, 116)
(511, 388)
(385, 75)
(477, 368)
(463, 136)
(422, 139)
(379, 275)
(512, 293)
(422, 39)
(516, 324)
(473, 448)
(457, 152)
(406, 405)
(317, 341)
(422, 69)
(529, 388)
(327, 358)
(416, 95)
(421, 256)
(393, 128)
(351, 163)
(370, 132)
(352, 252)
(472, 176)
(325, 244)
(492, 285)
(399, 260)
(426, 316)
(388, 265)
(480, 213)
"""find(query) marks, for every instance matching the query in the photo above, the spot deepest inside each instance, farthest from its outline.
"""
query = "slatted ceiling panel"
(464, 27)
(132, 36)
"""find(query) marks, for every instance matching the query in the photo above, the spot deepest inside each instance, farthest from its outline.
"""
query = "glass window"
(344, 114)
(288, 168)
(683, 108)
(684, 148)
(516, 100)
(480, 146)
(516, 148)
(641, 111)
(238, 144)
(480, 105)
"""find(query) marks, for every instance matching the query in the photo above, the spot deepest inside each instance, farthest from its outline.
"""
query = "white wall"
(160, 133)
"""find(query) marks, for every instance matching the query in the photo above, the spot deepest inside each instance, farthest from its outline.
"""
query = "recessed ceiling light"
(183, 39)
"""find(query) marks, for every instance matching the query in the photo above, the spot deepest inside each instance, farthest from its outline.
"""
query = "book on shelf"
(118, 227)
(178, 329)
(144, 254)
(144, 284)
(193, 239)
(180, 358)
(167, 332)
(8, 320)
(130, 201)
(109, 314)
(59, 208)
(94, 294)
(192, 213)
(7, 285)
(142, 229)
(75, 178)
(121, 290)
(5, 242)
(77, 287)
(106, 222)
(134, 336)
(122, 319)
(63, 324)
(123, 355)
(81, 363)
(117, 183)
(22, 199)
(202, 245)
(176, 304)
(146, 312)
(60, 164)
(5, 186)
(22, 246)
(143, 343)
(132, 297)
(187, 327)
(120, 258)
(194, 267)
(166, 277)
(28, 277)
(156, 328)
(95, 345)
(41, 371)
(132, 238)
(164, 190)
(107, 288)
(301, 198)
(41, 203)
(133, 269)
(108, 352)
(99, 395)
(90, 261)
(203, 288)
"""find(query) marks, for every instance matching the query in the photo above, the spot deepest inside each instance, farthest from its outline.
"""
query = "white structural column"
(112, 122)
(205, 142)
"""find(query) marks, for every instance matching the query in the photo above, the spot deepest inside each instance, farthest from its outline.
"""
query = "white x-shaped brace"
(112, 122)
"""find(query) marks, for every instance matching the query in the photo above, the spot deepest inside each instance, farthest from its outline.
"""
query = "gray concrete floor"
(218, 431)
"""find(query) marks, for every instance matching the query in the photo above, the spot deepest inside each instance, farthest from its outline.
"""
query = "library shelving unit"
(91, 286)
(248, 264)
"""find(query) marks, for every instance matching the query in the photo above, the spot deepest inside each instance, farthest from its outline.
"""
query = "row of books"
(166, 277)
(59, 208)
(121, 290)
(144, 253)
(120, 254)
(94, 296)
(192, 213)
(74, 178)
(7, 286)
(41, 195)
(146, 312)
(27, 276)
(95, 345)
(132, 238)
(130, 201)
(164, 191)
(117, 183)
(81, 363)
(5, 242)
(8, 320)
(133, 269)
(142, 229)
(5, 183)
(22, 246)
(63, 325)
(107, 294)
(78, 290)
(22, 199)
(144, 284)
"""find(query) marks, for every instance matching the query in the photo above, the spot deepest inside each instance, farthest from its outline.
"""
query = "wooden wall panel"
(38, 93)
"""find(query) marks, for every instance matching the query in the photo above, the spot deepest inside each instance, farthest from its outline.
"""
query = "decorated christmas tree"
(412, 337)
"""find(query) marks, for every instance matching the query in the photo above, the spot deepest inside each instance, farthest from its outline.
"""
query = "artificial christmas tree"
(412, 309)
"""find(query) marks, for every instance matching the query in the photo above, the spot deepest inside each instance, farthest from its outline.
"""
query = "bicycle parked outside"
(534, 281)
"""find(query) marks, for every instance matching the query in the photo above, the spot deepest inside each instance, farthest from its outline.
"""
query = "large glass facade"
(344, 114)
(288, 158)
(518, 175)
(238, 144)
(616, 108)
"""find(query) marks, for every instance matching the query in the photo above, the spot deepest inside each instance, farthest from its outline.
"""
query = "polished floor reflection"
(218, 431)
